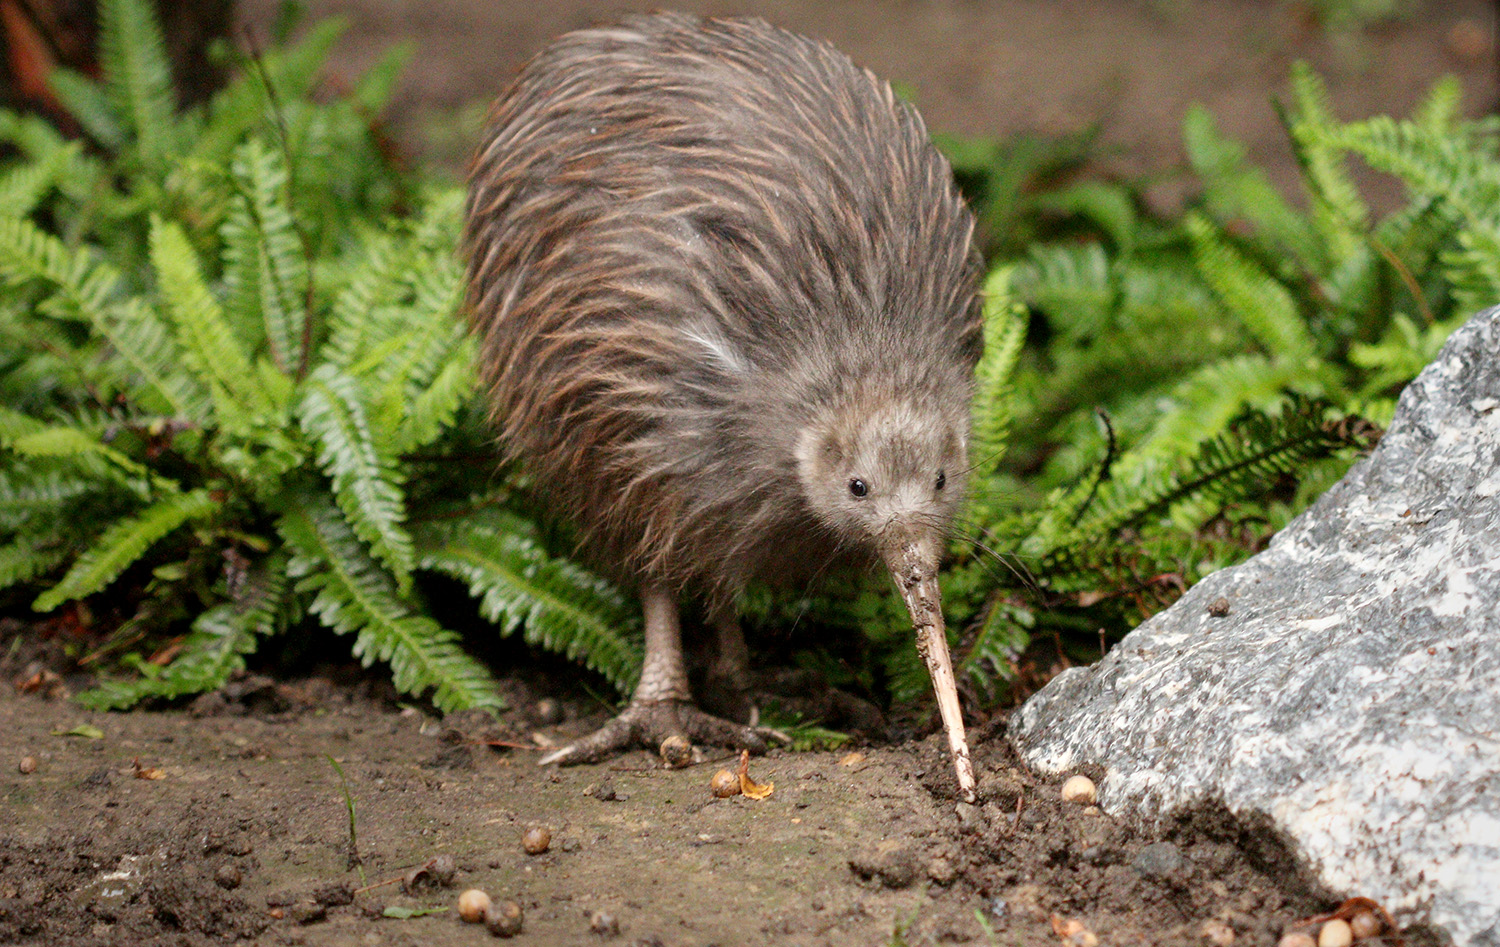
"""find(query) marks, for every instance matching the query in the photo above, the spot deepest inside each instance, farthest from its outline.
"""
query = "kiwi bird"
(725, 294)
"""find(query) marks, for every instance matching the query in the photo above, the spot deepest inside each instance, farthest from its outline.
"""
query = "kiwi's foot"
(648, 725)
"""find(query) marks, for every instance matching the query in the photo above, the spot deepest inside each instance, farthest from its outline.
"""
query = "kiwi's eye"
(942, 480)
(858, 488)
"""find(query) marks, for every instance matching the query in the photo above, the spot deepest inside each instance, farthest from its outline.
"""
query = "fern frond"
(124, 543)
(27, 557)
(24, 186)
(333, 413)
(1004, 335)
(1340, 212)
(354, 595)
(80, 285)
(1072, 284)
(1235, 189)
(560, 605)
(265, 269)
(1261, 304)
(1231, 466)
(142, 341)
(216, 648)
(29, 492)
(208, 345)
(1002, 637)
(436, 406)
(138, 77)
(77, 447)
(244, 104)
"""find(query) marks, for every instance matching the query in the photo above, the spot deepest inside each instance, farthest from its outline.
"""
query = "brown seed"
(1080, 789)
(504, 919)
(1297, 939)
(537, 839)
(724, 784)
(1219, 607)
(1365, 925)
(676, 751)
(1335, 933)
(27, 765)
(473, 905)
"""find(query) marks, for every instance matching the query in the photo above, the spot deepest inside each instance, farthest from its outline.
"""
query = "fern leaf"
(215, 649)
(1260, 303)
(265, 269)
(142, 341)
(1224, 468)
(1236, 189)
(1004, 335)
(353, 595)
(245, 104)
(89, 105)
(436, 405)
(561, 606)
(1324, 171)
(82, 449)
(23, 187)
(28, 557)
(81, 286)
(333, 413)
(208, 345)
(138, 77)
(124, 543)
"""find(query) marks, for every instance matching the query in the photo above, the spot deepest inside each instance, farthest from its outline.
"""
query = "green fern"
(125, 543)
(138, 78)
(561, 606)
(353, 594)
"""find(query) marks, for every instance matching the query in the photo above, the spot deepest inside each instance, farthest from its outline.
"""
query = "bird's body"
(720, 277)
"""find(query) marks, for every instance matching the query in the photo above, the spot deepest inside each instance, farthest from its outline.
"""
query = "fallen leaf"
(82, 730)
(146, 772)
(748, 786)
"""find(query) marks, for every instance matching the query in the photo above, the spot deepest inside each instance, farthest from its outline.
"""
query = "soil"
(254, 814)
(230, 821)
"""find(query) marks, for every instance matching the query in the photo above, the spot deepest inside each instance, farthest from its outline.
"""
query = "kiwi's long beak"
(913, 556)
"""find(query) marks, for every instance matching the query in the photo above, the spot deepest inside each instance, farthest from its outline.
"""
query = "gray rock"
(1351, 690)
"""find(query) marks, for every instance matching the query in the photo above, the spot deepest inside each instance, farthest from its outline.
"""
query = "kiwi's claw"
(649, 724)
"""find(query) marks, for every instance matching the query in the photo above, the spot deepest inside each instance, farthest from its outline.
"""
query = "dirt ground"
(228, 821)
(247, 834)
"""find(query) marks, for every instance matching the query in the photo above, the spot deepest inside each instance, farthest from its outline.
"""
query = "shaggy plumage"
(719, 274)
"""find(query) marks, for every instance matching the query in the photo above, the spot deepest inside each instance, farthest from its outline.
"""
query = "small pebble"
(676, 751)
(1336, 933)
(228, 877)
(1080, 789)
(941, 871)
(1297, 939)
(473, 905)
(27, 765)
(504, 919)
(724, 784)
(1216, 934)
(308, 912)
(604, 924)
(443, 869)
(548, 711)
(571, 844)
(537, 840)
(1365, 925)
